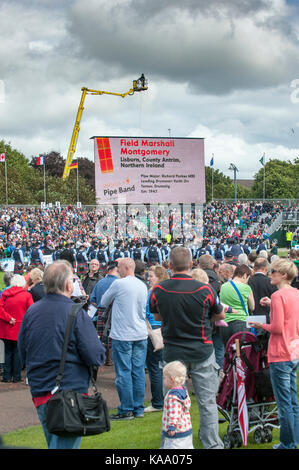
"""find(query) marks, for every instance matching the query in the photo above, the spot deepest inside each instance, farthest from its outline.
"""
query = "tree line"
(26, 180)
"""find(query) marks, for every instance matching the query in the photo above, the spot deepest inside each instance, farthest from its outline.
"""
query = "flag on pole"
(40, 160)
(73, 165)
(263, 160)
(3, 157)
(212, 161)
(242, 405)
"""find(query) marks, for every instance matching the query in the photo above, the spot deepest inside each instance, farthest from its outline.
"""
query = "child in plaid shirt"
(176, 421)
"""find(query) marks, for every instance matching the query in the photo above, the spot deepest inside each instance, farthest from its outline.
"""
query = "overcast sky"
(224, 70)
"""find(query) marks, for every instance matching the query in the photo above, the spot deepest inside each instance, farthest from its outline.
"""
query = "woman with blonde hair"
(156, 274)
(283, 349)
(36, 287)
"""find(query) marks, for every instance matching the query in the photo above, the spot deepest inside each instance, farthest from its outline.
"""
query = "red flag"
(242, 405)
(3, 157)
(73, 165)
(40, 160)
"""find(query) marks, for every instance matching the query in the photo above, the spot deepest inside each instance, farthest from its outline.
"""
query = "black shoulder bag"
(70, 413)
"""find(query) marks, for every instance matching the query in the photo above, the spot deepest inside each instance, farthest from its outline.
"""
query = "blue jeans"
(284, 382)
(129, 365)
(53, 441)
(153, 360)
(219, 349)
(12, 367)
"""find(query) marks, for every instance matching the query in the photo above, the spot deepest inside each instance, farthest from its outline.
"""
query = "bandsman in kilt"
(102, 257)
(18, 256)
(36, 256)
(82, 262)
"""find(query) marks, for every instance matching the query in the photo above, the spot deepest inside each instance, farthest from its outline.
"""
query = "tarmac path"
(17, 410)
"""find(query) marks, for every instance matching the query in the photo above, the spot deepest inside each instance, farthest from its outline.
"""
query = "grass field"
(136, 434)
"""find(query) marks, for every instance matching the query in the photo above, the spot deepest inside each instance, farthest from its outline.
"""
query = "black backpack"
(137, 253)
(152, 254)
(116, 254)
(101, 256)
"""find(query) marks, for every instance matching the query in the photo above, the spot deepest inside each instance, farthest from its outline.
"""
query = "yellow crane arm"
(138, 85)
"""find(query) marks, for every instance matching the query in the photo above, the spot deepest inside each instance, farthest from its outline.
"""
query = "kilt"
(18, 268)
(103, 269)
(101, 313)
(35, 263)
(82, 269)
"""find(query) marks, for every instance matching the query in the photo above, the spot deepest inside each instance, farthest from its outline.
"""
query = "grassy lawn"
(136, 434)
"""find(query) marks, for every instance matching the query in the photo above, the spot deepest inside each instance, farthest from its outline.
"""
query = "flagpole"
(264, 182)
(6, 186)
(45, 180)
(77, 181)
(212, 177)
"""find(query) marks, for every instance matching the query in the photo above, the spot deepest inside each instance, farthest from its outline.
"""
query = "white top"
(129, 297)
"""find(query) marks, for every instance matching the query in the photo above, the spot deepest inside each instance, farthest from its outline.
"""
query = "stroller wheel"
(227, 442)
(259, 436)
(268, 434)
(237, 439)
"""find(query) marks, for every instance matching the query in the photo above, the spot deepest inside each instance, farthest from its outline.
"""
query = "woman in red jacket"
(13, 305)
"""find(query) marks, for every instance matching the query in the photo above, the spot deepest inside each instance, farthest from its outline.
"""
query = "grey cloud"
(188, 44)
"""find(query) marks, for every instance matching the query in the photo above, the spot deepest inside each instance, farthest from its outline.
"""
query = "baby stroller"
(261, 405)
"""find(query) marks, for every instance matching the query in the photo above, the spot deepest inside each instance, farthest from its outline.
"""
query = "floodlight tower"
(234, 169)
(138, 85)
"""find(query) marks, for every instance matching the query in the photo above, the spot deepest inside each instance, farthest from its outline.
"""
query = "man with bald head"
(128, 334)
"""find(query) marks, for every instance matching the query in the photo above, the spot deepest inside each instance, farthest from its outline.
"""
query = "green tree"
(26, 181)
(281, 180)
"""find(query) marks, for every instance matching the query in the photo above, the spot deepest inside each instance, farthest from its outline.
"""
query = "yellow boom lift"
(138, 85)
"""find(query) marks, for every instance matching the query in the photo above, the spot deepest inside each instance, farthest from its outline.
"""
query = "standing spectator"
(186, 309)
(261, 287)
(92, 277)
(283, 350)
(68, 255)
(237, 294)
(289, 236)
(226, 272)
(13, 304)
(140, 271)
(295, 282)
(36, 287)
(207, 262)
(274, 249)
(156, 274)
(7, 277)
(129, 338)
(41, 341)
(96, 300)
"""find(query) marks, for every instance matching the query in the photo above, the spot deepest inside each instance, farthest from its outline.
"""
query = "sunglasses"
(274, 271)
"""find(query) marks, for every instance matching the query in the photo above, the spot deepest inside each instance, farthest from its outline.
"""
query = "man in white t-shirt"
(129, 338)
